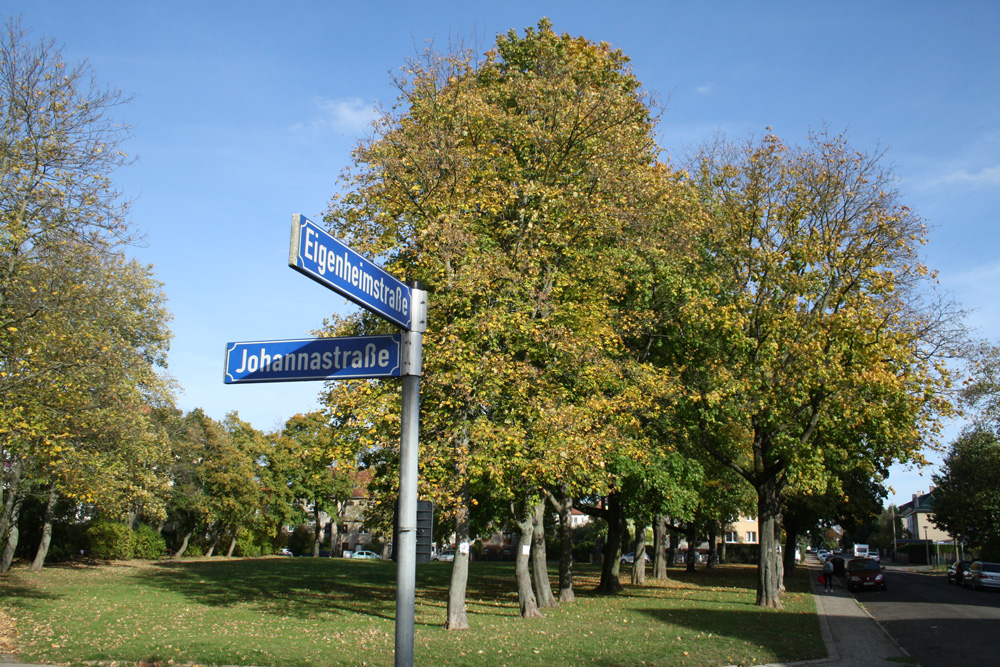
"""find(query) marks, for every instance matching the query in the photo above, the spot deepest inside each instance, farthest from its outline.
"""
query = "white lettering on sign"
(341, 266)
(369, 357)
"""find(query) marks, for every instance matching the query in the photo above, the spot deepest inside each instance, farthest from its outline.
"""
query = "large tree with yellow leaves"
(82, 328)
(516, 188)
(803, 335)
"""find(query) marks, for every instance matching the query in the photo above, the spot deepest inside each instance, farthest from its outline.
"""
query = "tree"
(191, 437)
(805, 314)
(232, 481)
(82, 329)
(316, 477)
(507, 185)
(967, 499)
(982, 392)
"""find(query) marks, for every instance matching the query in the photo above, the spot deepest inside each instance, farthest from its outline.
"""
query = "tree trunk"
(13, 532)
(564, 505)
(317, 532)
(335, 530)
(610, 564)
(215, 541)
(777, 556)
(691, 534)
(525, 594)
(232, 544)
(457, 618)
(639, 555)
(43, 544)
(184, 545)
(539, 559)
(12, 485)
(660, 548)
(712, 544)
(768, 565)
(788, 558)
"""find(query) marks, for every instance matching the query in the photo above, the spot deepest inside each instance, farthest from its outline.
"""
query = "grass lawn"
(305, 612)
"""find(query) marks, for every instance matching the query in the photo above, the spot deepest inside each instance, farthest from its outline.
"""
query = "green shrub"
(194, 550)
(302, 540)
(743, 553)
(147, 543)
(246, 547)
(585, 538)
(109, 540)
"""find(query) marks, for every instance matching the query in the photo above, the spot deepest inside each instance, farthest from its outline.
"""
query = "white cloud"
(705, 88)
(988, 177)
(348, 116)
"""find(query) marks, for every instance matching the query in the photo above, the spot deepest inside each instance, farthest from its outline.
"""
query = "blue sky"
(245, 113)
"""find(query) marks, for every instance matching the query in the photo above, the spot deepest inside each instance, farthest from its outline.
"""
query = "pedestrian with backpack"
(828, 575)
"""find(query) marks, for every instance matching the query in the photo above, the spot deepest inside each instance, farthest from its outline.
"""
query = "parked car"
(286, 552)
(982, 575)
(630, 557)
(865, 574)
(367, 555)
(957, 570)
(446, 556)
(822, 554)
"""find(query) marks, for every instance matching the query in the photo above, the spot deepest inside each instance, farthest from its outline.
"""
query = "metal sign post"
(406, 565)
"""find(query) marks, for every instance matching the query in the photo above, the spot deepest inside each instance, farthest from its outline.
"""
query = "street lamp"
(927, 545)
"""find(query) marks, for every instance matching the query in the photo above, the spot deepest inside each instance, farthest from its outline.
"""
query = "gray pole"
(406, 548)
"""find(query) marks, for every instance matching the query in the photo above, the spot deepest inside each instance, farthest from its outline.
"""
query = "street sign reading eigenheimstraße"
(317, 254)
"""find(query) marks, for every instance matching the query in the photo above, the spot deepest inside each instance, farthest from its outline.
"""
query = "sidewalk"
(853, 637)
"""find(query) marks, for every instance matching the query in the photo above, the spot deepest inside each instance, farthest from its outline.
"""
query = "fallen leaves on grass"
(8, 633)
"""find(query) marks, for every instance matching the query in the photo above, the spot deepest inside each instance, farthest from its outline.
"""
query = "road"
(940, 625)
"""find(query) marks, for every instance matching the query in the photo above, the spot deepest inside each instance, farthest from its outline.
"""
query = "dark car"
(982, 575)
(865, 574)
(957, 570)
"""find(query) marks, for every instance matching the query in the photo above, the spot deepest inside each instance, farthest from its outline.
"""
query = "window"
(752, 536)
(732, 537)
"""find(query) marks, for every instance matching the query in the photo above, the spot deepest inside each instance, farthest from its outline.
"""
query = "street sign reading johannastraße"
(341, 358)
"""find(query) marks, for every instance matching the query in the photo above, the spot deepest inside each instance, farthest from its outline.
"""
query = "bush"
(194, 550)
(585, 538)
(302, 540)
(748, 554)
(147, 543)
(246, 547)
(109, 540)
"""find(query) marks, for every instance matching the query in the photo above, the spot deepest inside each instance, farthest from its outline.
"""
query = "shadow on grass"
(306, 587)
(14, 594)
(797, 637)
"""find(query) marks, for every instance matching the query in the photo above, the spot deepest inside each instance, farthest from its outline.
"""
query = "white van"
(861, 551)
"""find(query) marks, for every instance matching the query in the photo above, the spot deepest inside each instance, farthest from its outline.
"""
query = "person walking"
(828, 575)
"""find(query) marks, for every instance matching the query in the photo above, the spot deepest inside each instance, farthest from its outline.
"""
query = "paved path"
(853, 638)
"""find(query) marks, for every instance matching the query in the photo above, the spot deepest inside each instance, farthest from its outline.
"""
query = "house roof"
(920, 503)
(361, 479)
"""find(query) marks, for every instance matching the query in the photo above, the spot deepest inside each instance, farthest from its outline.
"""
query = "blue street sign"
(344, 358)
(329, 262)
